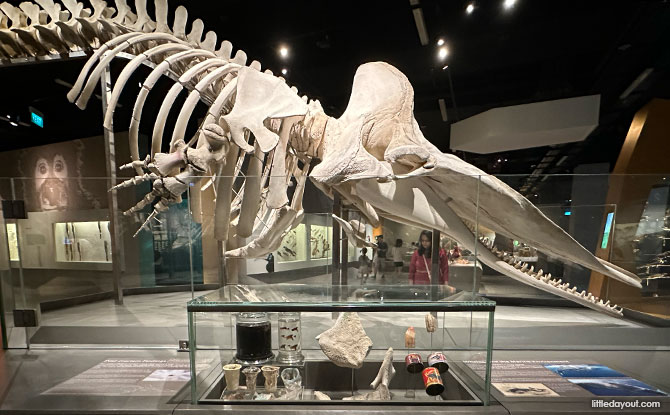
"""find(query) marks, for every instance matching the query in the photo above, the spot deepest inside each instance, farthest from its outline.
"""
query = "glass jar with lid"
(254, 338)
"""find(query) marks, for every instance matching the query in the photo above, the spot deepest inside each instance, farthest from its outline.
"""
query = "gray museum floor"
(147, 327)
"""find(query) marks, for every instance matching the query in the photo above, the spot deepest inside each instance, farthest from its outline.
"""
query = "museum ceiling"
(535, 51)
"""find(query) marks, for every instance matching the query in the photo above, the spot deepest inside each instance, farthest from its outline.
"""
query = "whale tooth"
(539, 273)
(607, 303)
(494, 250)
(537, 276)
(582, 294)
(559, 281)
(601, 302)
(524, 267)
(510, 261)
(530, 270)
(500, 254)
(573, 290)
(518, 265)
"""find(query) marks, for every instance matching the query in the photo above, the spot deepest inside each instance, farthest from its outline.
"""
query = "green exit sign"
(37, 119)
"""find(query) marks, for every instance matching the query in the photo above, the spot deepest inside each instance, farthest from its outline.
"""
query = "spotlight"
(283, 51)
(440, 42)
(284, 71)
(443, 53)
(508, 4)
(13, 124)
(470, 8)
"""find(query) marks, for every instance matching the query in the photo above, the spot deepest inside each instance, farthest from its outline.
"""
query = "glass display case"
(289, 343)
(82, 241)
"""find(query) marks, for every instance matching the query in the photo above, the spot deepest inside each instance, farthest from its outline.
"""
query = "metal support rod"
(475, 288)
(335, 272)
(112, 200)
(435, 264)
(192, 358)
(223, 275)
(18, 249)
(190, 242)
(489, 356)
(344, 249)
(453, 96)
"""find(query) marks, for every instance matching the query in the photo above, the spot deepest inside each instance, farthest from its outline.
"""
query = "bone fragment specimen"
(386, 371)
(320, 396)
(410, 338)
(381, 393)
(431, 322)
(346, 344)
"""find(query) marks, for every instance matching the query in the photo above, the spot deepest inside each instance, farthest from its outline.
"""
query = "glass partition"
(62, 261)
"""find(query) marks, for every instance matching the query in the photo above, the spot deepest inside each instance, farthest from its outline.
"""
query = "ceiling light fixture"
(442, 53)
(470, 8)
(440, 42)
(508, 4)
(13, 123)
(283, 51)
(284, 71)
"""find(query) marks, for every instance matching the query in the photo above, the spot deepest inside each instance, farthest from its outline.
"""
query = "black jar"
(254, 338)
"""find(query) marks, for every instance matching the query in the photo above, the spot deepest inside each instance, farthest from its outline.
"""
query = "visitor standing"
(380, 256)
(363, 266)
(397, 257)
(420, 264)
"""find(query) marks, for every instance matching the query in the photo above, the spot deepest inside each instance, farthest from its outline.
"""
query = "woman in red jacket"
(420, 264)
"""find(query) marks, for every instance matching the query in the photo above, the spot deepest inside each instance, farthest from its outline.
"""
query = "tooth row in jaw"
(546, 278)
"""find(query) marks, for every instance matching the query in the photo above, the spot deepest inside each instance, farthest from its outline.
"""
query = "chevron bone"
(374, 155)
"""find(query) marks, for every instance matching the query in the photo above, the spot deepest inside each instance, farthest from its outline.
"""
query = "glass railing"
(80, 265)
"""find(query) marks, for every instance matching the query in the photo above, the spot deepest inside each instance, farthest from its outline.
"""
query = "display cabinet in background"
(299, 344)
